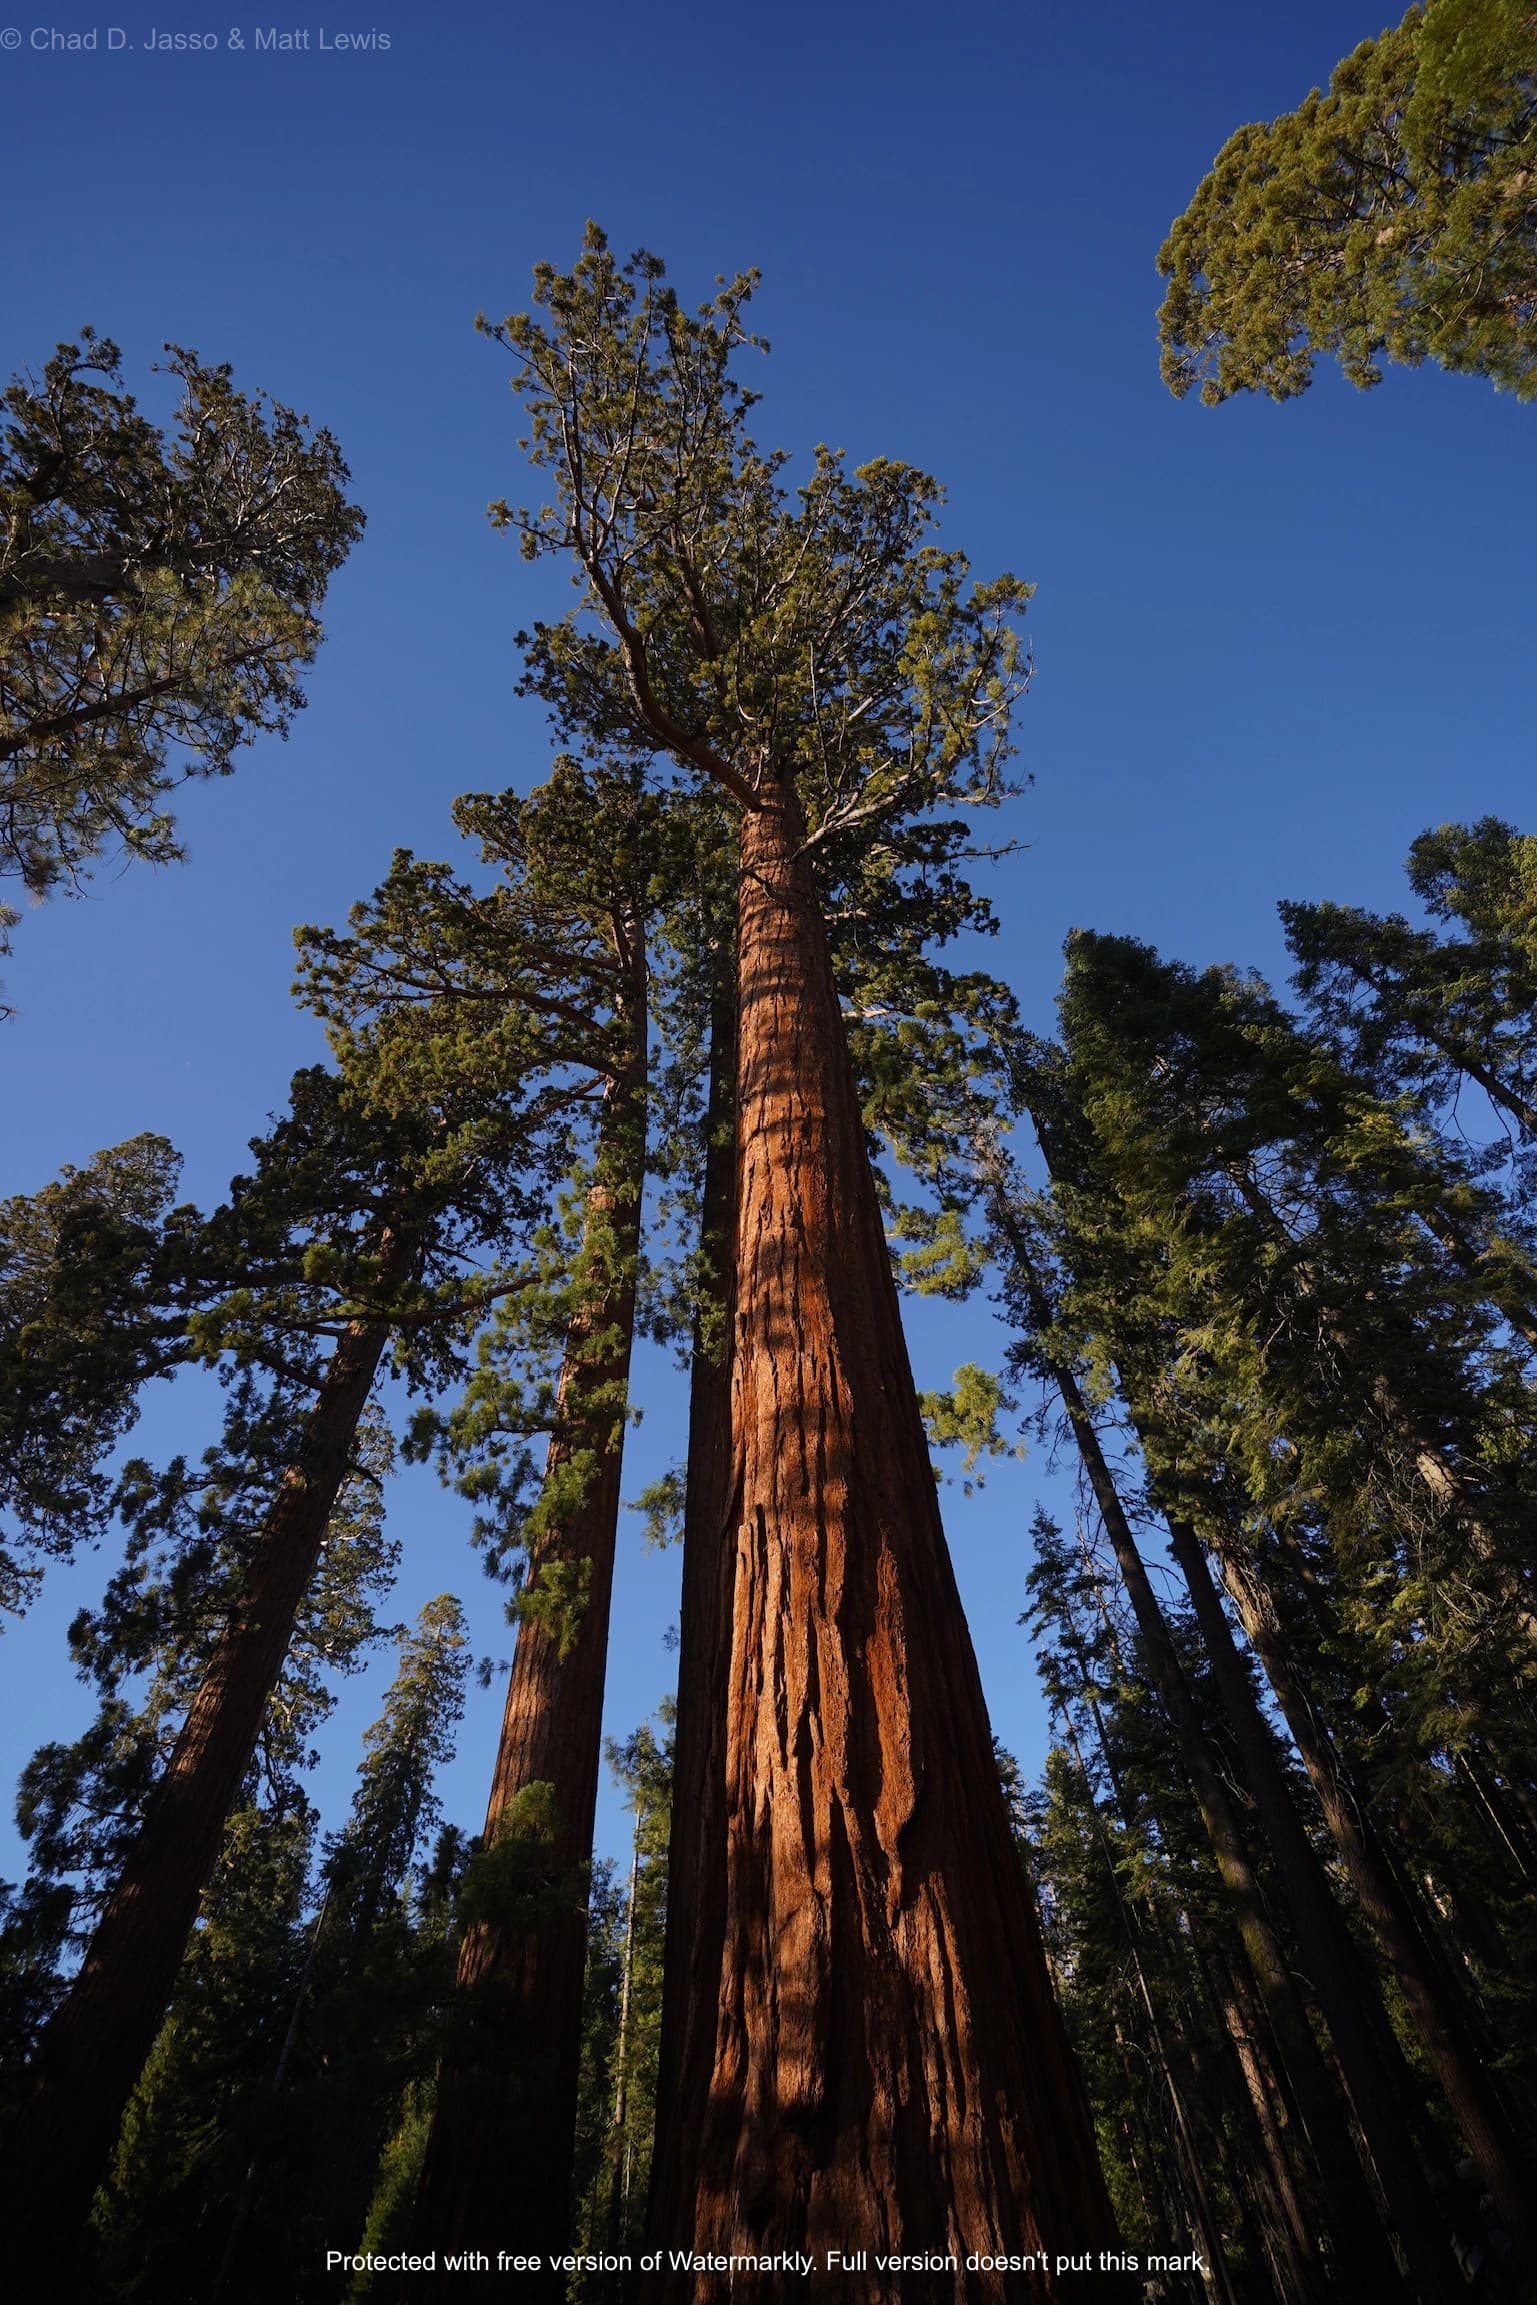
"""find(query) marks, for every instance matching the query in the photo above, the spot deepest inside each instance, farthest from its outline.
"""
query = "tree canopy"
(159, 598)
(1392, 217)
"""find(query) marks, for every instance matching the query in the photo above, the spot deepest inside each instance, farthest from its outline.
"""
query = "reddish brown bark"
(891, 2071)
(94, 2049)
(497, 2173)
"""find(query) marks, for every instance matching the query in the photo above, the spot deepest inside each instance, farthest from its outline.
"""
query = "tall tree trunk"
(94, 2048)
(1433, 2003)
(696, 1862)
(1290, 2244)
(891, 2070)
(498, 2166)
(1358, 2244)
(1378, 2084)
(619, 2120)
(1174, 2064)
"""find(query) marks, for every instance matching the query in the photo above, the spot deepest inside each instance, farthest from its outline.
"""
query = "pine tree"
(1393, 217)
(1422, 1012)
(1282, 1196)
(1355, 2237)
(504, 2126)
(158, 599)
(370, 1202)
(79, 1336)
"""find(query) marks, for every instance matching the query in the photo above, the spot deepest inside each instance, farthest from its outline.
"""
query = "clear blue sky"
(1273, 643)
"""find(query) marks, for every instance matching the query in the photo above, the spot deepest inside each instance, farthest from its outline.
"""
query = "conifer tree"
(824, 664)
(368, 1204)
(81, 1263)
(1139, 1926)
(1420, 1011)
(1354, 2232)
(159, 598)
(499, 2156)
(1392, 217)
(1281, 1195)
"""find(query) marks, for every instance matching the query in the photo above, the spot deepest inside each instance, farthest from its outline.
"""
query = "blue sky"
(1272, 643)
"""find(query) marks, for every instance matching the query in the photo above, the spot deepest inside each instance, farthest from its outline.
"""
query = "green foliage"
(514, 1882)
(1394, 217)
(158, 598)
(723, 622)
(191, 1532)
(79, 1335)
(177, 2192)
(661, 1502)
(967, 1418)
(1277, 1261)
(369, 1863)
(557, 1596)
(286, 2101)
(1424, 1013)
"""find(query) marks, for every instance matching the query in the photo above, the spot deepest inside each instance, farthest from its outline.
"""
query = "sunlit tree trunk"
(890, 2067)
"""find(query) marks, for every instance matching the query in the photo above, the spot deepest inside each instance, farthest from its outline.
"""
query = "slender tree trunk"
(696, 1863)
(1174, 2066)
(618, 2140)
(1346, 1994)
(1503, 1545)
(1291, 2238)
(1357, 2240)
(891, 2070)
(1432, 2001)
(498, 2165)
(1290, 2244)
(94, 2048)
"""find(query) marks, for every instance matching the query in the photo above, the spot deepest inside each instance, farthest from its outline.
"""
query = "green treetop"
(1394, 217)
(722, 621)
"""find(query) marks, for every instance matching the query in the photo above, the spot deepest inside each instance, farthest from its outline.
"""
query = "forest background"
(1273, 644)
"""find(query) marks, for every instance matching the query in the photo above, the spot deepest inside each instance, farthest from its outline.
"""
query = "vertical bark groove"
(890, 2067)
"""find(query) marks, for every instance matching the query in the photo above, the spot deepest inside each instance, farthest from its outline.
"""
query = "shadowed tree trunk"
(1434, 2005)
(94, 2049)
(890, 2068)
(1362, 2256)
(497, 2172)
(696, 1863)
(1379, 2084)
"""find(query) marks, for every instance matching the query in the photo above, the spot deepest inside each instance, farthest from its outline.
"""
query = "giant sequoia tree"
(159, 598)
(886, 2057)
(1394, 216)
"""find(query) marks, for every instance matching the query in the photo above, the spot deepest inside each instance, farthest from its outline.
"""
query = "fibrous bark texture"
(890, 2069)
